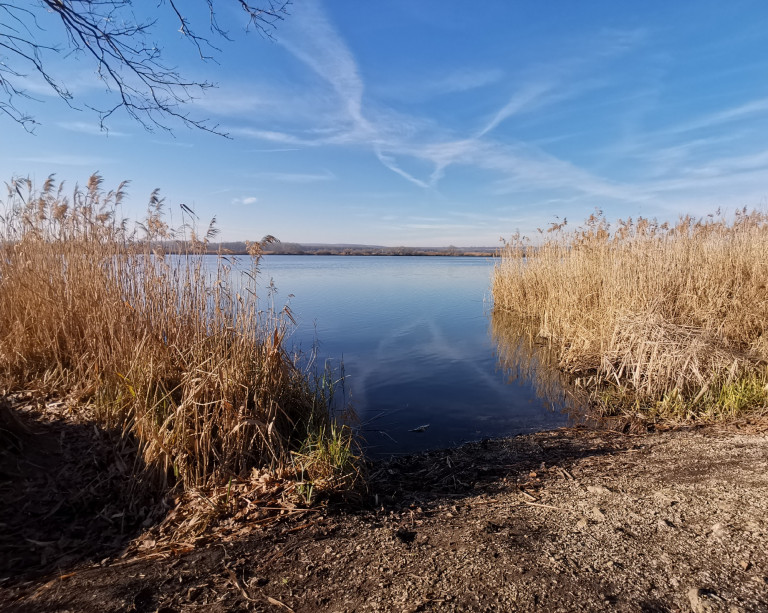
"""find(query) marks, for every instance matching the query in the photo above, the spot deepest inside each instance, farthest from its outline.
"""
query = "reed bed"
(180, 354)
(657, 319)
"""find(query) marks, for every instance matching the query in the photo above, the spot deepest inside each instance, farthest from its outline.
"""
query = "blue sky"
(439, 122)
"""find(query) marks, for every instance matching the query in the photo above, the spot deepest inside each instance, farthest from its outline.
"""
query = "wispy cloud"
(525, 168)
(312, 39)
(274, 150)
(519, 102)
(232, 101)
(83, 127)
(401, 142)
(444, 154)
(390, 163)
(272, 136)
(618, 40)
(464, 80)
(735, 113)
(295, 177)
(247, 200)
(659, 161)
(733, 165)
(736, 172)
(77, 82)
(426, 87)
(172, 143)
(391, 136)
(289, 105)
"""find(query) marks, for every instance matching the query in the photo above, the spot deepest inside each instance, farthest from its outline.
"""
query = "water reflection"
(523, 355)
(413, 335)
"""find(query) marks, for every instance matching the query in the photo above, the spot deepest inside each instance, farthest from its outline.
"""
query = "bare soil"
(572, 519)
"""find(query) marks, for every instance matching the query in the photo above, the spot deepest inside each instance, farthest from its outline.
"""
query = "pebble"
(598, 489)
(718, 530)
(701, 601)
(598, 514)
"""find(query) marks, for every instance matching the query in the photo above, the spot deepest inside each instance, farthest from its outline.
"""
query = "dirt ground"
(568, 520)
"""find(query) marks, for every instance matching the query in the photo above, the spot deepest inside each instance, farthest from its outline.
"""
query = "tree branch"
(129, 64)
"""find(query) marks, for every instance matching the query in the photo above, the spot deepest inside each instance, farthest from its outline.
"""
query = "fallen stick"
(277, 603)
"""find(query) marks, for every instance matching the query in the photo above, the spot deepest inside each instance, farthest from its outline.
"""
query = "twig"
(506, 503)
(302, 526)
(277, 603)
(236, 582)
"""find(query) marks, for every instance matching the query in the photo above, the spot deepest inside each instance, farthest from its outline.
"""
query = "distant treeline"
(239, 248)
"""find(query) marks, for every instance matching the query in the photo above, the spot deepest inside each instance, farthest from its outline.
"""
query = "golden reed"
(663, 319)
(176, 351)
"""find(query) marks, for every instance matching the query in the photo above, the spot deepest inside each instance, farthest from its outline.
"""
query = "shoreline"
(599, 520)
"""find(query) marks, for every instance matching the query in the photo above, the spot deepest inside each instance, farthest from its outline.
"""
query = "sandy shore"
(555, 521)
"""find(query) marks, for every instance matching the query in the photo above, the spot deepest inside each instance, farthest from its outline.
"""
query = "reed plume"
(178, 350)
(667, 319)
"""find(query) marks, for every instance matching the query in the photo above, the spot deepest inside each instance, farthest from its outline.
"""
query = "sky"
(434, 122)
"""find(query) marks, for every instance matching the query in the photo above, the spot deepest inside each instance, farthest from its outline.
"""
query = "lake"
(413, 334)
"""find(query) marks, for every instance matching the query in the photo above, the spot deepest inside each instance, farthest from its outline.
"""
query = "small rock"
(745, 564)
(598, 514)
(582, 523)
(702, 601)
(718, 530)
(664, 498)
(598, 489)
(664, 524)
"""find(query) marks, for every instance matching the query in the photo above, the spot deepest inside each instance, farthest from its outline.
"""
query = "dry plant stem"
(670, 320)
(176, 350)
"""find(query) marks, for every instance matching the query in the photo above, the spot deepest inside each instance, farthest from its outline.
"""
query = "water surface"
(413, 334)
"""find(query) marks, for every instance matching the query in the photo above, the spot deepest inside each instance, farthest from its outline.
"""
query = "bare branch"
(127, 61)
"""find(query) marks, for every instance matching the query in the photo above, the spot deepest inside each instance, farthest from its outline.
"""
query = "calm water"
(413, 334)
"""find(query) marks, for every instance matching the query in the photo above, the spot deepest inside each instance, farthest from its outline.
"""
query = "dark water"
(413, 333)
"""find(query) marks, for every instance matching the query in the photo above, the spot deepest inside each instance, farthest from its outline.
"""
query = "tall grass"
(671, 319)
(180, 354)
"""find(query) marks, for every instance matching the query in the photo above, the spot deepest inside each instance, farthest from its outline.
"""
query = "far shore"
(241, 248)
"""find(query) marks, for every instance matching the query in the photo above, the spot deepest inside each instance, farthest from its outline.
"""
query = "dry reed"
(179, 353)
(670, 319)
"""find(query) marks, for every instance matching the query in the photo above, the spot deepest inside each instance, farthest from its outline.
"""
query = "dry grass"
(179, 353)
(672, 320)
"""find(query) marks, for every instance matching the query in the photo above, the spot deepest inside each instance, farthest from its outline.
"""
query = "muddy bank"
(555, 521)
